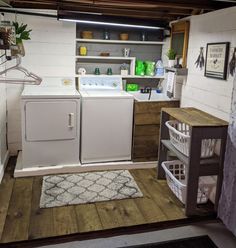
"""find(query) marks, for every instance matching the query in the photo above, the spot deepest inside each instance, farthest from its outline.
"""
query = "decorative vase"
(171, 62)
(21, 49)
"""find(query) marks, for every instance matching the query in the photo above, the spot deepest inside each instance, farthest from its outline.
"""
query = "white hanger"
(36, 80)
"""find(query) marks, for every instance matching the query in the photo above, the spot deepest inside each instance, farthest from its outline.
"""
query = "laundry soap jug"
(159, 68)
(139, 68)
(149, 68)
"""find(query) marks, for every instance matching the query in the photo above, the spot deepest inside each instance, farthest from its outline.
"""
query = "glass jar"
(83, 50)
(106, 35)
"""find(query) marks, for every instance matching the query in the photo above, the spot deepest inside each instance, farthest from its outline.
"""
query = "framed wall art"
(217, 55)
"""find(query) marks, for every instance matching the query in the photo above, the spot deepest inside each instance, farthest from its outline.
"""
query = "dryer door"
(50, 120)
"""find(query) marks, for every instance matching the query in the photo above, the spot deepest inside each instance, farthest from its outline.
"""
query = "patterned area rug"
(70, 189)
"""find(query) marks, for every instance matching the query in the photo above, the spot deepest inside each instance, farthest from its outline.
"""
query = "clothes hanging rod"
(19, 81)
(5, 4)
(17, 11)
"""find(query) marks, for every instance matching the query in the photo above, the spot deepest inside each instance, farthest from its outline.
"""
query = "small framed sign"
(217, 60)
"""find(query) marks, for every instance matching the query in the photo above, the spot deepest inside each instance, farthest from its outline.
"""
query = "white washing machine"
(50, 126)
(106, 120)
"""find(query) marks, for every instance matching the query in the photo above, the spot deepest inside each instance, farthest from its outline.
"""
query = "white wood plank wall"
(50, 54)
(3, 145)
(3, 120)
(210, 95)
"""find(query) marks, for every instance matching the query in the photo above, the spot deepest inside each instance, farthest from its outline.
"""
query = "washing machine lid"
(105, 94)
(49, 92)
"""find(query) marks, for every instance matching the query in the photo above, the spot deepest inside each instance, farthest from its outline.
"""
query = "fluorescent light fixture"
(105, 20)
(110, 24)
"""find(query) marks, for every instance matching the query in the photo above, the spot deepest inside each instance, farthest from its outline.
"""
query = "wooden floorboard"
(64, 220)
(150, 210)
(130, 213)
(5, 196)
(109, 214)
(41, 221)
(87, 218)
(21, 219)
(18, 215)
(163, 200)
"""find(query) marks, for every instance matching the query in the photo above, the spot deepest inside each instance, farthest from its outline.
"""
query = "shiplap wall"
(50, 54)
(210, 95)
(3, 145)
(3, 120)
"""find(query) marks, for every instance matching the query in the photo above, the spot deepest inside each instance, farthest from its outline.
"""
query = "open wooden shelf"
(107, 59)
(118, 75)
(208, 166)
(120, 41)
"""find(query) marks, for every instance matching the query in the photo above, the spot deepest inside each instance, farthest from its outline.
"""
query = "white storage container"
(180, 139)
(177, 181)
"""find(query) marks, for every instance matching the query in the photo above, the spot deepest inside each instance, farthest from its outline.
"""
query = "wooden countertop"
(194, 117)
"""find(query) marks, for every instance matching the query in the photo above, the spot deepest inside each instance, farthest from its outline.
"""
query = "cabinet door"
(52, 120)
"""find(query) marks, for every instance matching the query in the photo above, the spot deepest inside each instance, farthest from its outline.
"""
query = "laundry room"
(115, 118)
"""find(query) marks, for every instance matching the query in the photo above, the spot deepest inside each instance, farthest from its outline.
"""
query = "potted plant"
(124, 70)
(171, 54)
(21, 34)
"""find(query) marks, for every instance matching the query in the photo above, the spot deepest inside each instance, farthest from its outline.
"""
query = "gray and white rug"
(70, 189)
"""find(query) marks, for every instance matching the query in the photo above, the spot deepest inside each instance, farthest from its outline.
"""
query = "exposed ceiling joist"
(137, 4)
(167, 10)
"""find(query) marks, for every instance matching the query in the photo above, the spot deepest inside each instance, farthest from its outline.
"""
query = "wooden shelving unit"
(118, 75)
(120, 41)
(202, 126)
(144, 50)
(108, 59)
(104, 58)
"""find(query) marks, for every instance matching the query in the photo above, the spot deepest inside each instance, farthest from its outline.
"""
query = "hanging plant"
(232, 63)
(21, 32)
(200, 60)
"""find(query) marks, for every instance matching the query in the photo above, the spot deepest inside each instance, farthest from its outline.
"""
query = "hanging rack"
(5, 4)
(36, 80)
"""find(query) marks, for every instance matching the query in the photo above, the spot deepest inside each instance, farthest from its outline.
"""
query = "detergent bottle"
(159, 68)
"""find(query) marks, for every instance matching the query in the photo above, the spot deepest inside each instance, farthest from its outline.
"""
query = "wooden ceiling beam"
(126, 12)
(136, 4)
(167, 14)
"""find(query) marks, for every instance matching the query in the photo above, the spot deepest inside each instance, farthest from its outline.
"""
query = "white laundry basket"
(177, 181)
(180, 139)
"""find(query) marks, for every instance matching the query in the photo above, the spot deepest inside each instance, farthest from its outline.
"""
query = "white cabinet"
(50, 120)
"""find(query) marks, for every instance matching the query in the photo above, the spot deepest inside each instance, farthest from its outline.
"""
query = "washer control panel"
(100, 83)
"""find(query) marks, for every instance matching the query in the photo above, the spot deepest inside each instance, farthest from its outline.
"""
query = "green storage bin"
(132, 87)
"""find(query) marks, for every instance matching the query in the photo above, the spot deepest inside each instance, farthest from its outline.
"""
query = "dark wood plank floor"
(22, 219)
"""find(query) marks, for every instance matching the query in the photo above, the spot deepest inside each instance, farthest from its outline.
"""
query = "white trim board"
(138, 42)
(3, 166)
(77, 168)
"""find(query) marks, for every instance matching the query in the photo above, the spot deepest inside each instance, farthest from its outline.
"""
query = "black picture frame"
(217, 56)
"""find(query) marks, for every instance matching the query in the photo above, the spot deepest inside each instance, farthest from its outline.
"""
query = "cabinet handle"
(71, 120)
